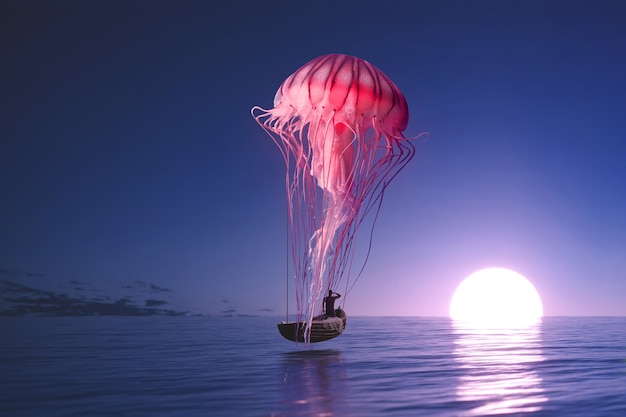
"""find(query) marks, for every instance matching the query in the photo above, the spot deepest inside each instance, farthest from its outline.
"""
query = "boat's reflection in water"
(313, 384)
(498, 365)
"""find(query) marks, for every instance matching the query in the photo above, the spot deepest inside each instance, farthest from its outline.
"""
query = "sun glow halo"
(496, 297)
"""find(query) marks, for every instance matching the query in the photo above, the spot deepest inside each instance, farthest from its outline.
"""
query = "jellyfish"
(338, 122)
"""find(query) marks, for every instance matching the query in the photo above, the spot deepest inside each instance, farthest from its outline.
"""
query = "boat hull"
(322, 328)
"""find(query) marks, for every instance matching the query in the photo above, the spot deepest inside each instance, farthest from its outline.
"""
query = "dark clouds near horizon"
(77, 299)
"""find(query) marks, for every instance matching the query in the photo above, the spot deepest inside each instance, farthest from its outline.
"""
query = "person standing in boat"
(329, 303)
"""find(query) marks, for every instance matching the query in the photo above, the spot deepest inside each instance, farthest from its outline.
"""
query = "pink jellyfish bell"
(338, 122)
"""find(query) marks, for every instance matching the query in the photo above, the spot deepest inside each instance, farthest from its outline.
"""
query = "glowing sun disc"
(496, 296)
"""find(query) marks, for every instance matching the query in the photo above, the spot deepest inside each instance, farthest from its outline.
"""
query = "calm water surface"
(208, 366)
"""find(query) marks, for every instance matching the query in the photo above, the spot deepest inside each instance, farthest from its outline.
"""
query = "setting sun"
(496, 296)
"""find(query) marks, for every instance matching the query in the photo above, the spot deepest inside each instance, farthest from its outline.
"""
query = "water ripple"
(199, 366)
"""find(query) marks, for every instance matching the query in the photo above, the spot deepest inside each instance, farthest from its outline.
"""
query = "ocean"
(241, 366)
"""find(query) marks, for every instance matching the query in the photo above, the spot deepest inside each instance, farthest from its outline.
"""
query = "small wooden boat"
(322, 328)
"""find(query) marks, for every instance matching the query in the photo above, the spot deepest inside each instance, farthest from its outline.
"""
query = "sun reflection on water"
(498, 368)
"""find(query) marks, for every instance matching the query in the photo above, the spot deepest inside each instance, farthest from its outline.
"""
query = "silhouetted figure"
(329, 303)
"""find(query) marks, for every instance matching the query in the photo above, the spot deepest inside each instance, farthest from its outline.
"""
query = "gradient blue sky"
(127, 151)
